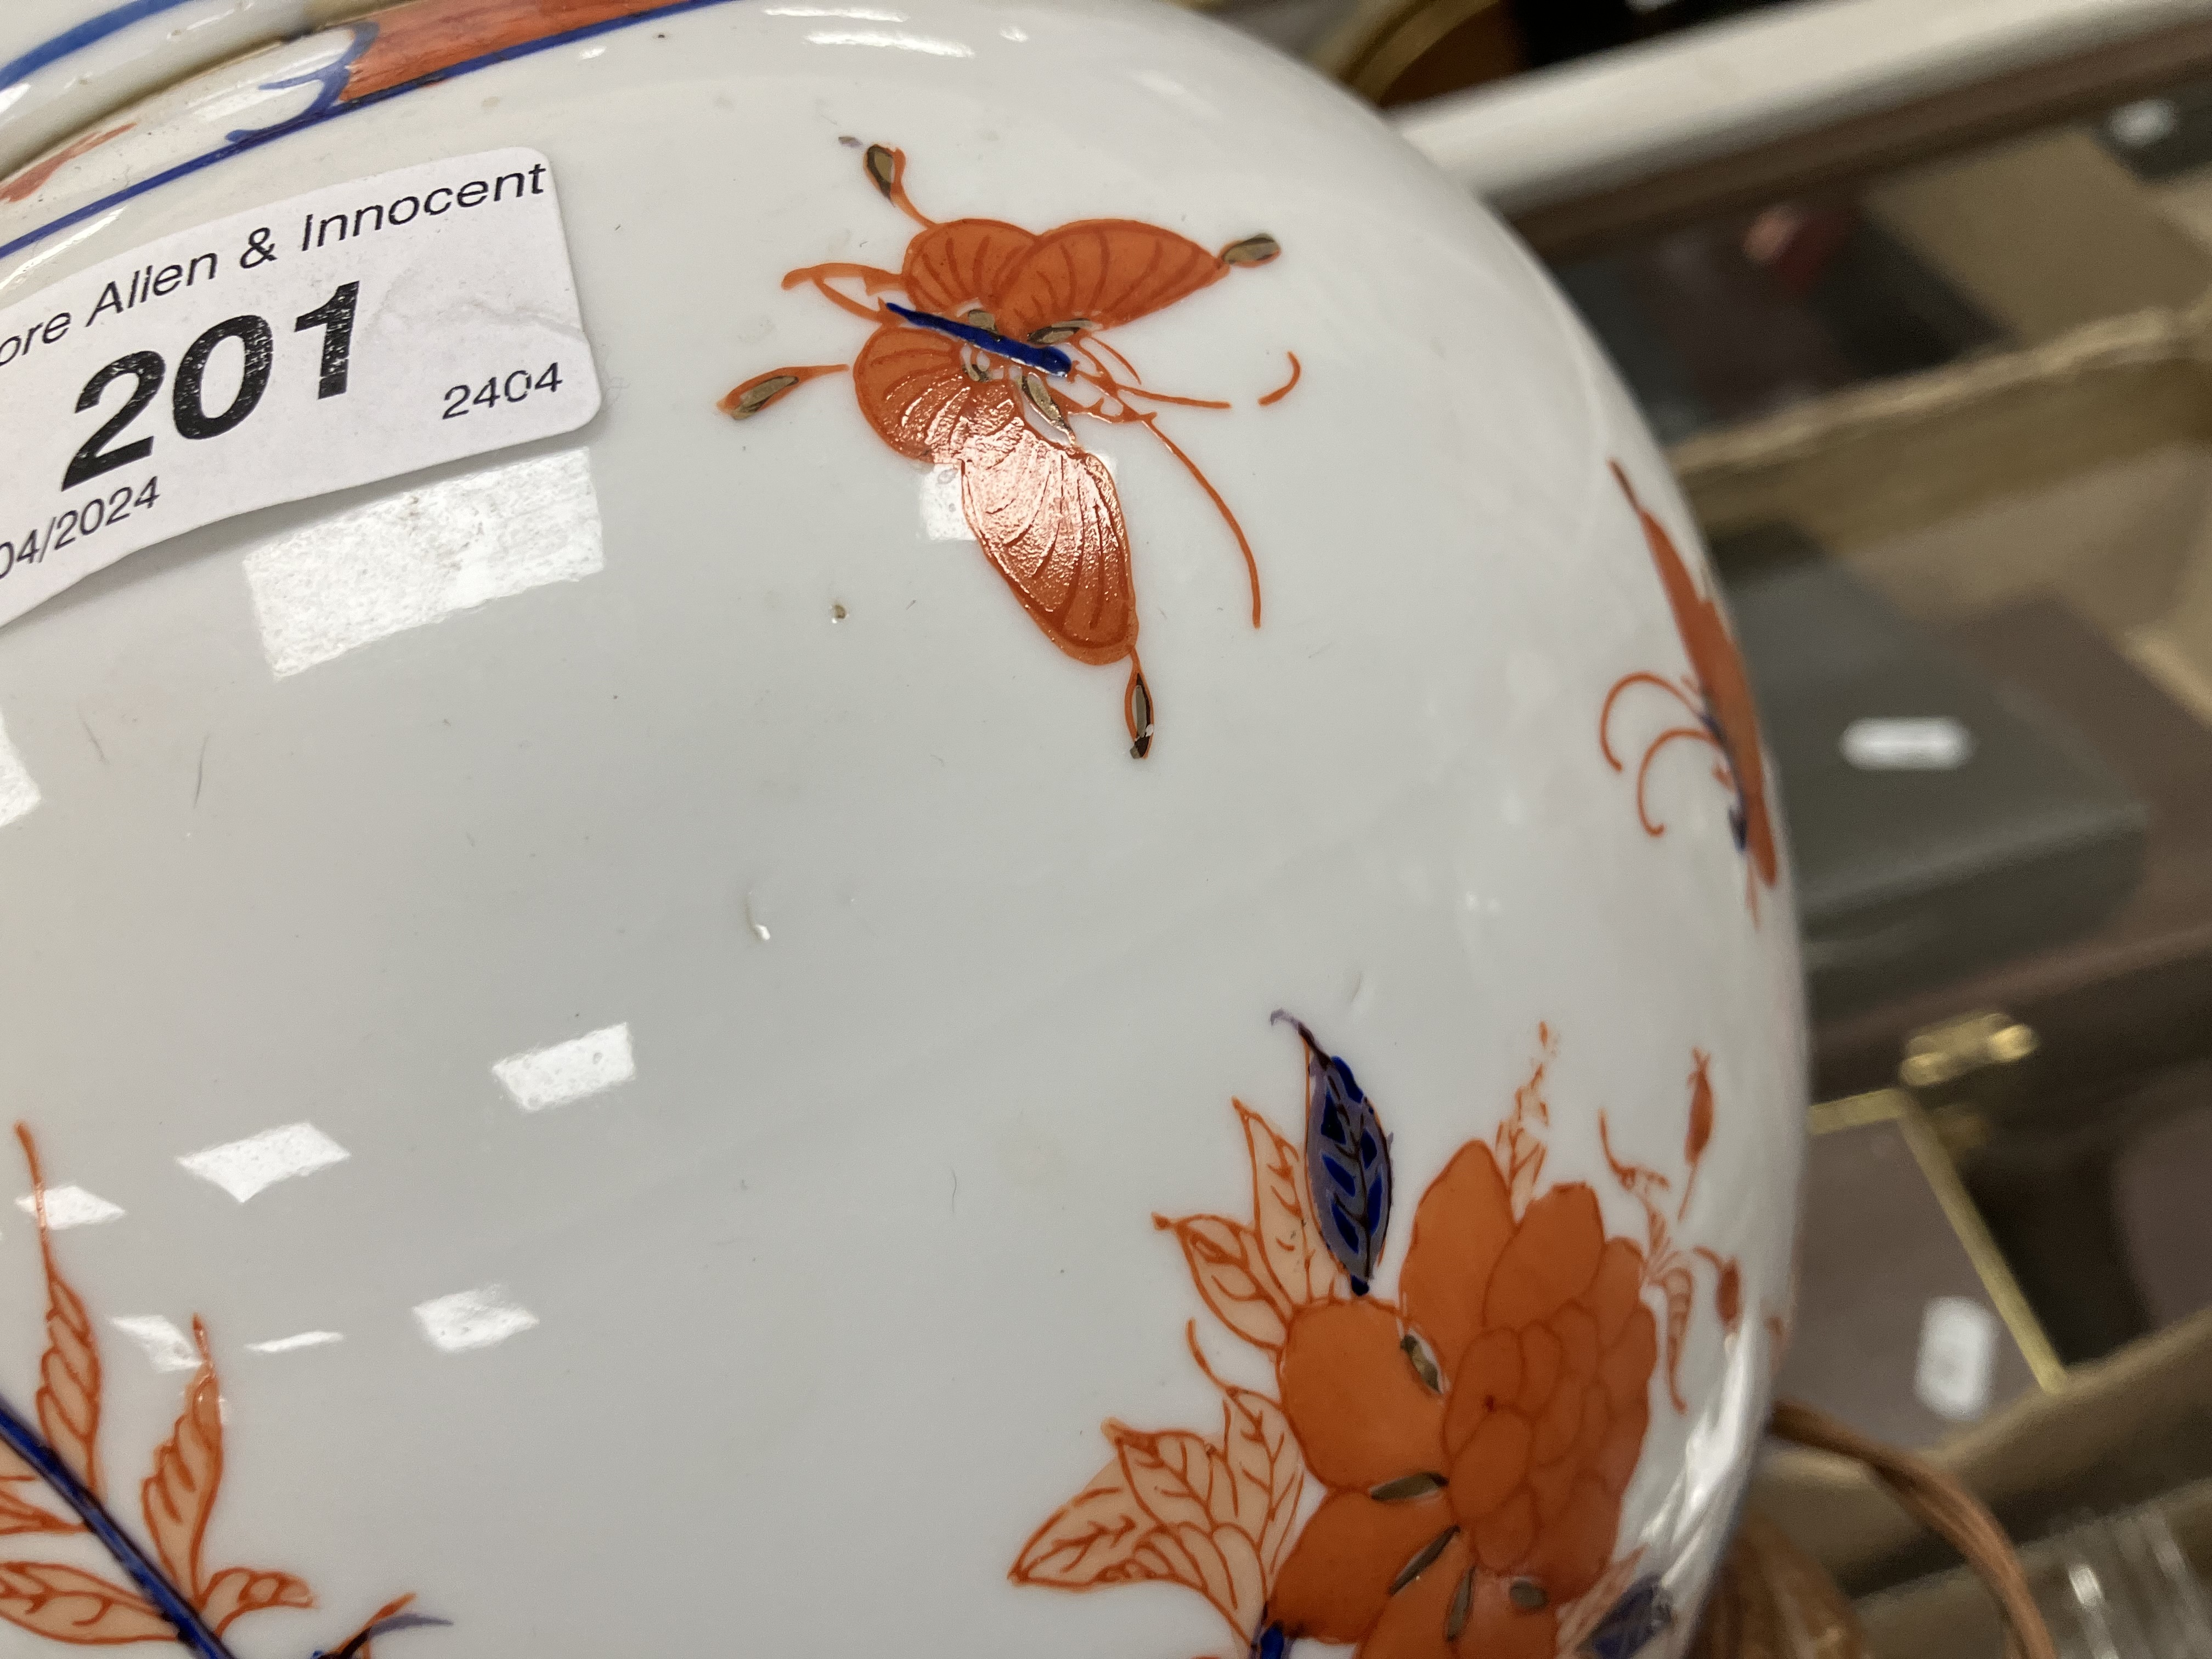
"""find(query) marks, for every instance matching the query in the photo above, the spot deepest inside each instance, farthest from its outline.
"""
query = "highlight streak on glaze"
(243, 1167)
(406, 561)
(953, 376)
(18, 790)
(565, 1073)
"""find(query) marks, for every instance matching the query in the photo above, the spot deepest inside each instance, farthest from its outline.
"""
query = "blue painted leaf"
(1270, 1643)
(1633, 1623)
(1347, 1162)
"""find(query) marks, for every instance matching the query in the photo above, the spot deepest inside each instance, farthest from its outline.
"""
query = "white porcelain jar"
(637, 1031)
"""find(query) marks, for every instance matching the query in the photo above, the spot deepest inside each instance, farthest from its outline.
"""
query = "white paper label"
(351, 334)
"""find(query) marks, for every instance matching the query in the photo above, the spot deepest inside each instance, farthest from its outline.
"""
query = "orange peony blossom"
(1477, 1439)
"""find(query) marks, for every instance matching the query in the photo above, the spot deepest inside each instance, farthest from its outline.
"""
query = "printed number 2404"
(509, 388)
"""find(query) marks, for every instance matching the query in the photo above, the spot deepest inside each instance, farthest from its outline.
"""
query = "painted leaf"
(68, 1605)
(1289, 1241)
(1090, 1540)
(1220, 1565)
(1347, 1163)
(180, 1493)
(1265, 1467)
(1675, 1281)
(17, 1516)
(1160, 1554)
(1642, 1614)
(1227, 1572)
(1579, 1617)
(236, 1591)
(1269, 1475)
(69, 1374)
(1520, 1147)
(1181, 1479)
(1227, 1262)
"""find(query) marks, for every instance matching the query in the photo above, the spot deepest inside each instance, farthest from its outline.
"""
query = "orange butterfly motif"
(1717, 695)
(963, 376)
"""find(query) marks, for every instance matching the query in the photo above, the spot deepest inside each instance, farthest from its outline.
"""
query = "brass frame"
(1899, 1107)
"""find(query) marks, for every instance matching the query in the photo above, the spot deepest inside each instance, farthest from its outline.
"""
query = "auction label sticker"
(351, 334)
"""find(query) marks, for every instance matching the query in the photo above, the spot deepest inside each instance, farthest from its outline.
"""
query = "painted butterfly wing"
(1102, 271)
(1044, 513)
(913, 392)
(1347, 1163)
(950, 268)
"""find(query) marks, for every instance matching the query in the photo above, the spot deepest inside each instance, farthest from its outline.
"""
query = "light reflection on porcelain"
(844, 1280)
(72, 1206)
(468, 1320)
(167, 1348)
(18, 790)
(406, 560)
(243, 1167)
(899, 42)
(564, 1073)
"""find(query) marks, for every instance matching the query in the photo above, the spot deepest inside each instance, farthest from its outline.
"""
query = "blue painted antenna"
(1051, 359)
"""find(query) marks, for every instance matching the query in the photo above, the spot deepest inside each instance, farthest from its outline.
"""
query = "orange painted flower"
(1477, 1439)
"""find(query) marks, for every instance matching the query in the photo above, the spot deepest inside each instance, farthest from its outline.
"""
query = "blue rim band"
(331, 110)
(113, 21)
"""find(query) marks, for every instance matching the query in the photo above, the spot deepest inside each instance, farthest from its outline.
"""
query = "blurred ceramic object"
(671, 1082)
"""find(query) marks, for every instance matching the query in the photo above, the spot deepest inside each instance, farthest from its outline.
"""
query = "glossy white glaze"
(658, 1072)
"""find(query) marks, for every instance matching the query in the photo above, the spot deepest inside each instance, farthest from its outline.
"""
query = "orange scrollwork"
(1715, 695)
